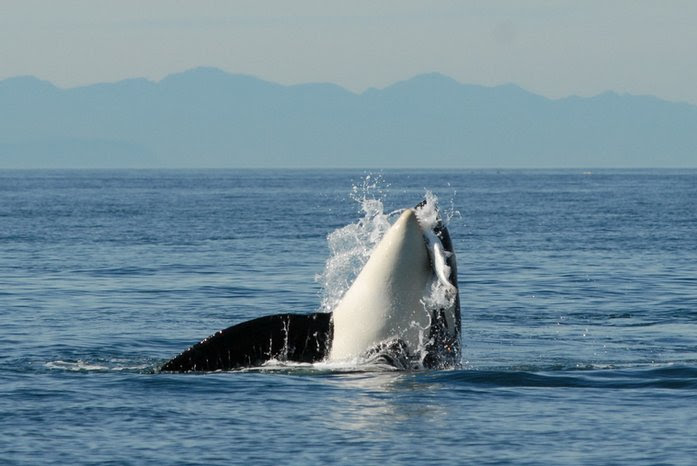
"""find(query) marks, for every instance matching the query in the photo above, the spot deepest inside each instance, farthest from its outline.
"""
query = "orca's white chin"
(386, 301)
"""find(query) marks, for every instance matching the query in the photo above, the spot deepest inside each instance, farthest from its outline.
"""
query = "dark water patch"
(674, 378)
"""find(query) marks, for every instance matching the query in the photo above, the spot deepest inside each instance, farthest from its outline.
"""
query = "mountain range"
(206, 117)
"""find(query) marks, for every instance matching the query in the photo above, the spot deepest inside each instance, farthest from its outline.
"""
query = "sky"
(553, 48)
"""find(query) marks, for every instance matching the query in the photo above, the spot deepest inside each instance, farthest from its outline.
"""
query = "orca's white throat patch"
(388, 299)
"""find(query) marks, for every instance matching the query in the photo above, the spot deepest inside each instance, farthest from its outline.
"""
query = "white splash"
(351, 246)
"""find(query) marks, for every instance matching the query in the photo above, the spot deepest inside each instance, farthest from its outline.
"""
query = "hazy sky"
(555, 48)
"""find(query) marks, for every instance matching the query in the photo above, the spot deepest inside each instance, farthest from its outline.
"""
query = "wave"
(670, 376)
(111, 365)
(666, 377)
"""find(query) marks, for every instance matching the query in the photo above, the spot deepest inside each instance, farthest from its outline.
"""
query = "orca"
(382, 318)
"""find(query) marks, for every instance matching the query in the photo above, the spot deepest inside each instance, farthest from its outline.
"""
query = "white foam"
(85, 366)
(78, 365)
(345, 366)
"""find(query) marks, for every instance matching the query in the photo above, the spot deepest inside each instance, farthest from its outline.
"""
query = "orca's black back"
(292, 337)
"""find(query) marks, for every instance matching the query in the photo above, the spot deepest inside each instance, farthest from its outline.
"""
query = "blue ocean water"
(579, 319)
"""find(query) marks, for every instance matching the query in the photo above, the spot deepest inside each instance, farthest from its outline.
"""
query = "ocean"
(579, 319)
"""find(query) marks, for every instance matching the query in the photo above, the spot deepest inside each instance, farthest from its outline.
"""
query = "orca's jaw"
(385, 302)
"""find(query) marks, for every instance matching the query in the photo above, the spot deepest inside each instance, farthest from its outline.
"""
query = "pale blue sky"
(554, 48)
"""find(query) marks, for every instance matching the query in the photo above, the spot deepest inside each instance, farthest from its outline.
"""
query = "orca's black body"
(307, 337)
(287, 337)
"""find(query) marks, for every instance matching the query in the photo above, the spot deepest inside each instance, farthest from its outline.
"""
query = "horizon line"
(585, 170)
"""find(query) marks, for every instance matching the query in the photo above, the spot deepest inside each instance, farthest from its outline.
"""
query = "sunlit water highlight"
(579, 296)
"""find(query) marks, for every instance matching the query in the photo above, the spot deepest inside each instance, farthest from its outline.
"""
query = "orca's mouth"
(441, 255)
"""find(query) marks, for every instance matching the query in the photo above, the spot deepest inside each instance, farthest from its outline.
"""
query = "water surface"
(579, 310)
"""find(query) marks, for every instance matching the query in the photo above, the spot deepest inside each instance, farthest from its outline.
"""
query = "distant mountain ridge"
(206, 117)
